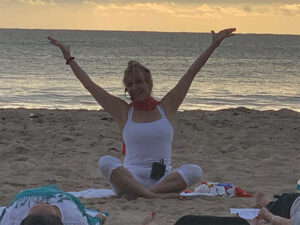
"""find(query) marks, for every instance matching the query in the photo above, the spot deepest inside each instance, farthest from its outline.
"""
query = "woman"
(47, 205)
(284, 211)
(147, 128)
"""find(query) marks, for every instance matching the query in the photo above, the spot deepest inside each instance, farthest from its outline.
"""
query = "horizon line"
(153, 31)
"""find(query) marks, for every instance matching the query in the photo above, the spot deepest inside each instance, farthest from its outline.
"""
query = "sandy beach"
(255, 150)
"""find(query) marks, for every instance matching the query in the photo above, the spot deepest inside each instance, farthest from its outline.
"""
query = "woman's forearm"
(82, 76)
(200, 61)
(277, 220)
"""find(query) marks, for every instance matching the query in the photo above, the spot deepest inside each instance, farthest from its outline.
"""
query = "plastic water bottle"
(298, 186)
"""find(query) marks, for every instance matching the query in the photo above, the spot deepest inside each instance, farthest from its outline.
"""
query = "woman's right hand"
(65, 49)
(217, 38)
(265, 214)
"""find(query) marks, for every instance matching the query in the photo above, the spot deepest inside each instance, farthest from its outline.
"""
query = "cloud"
(189, 11)
(163, 8)
(177, 8)
(191, 2)
(37, 2)
(291, 10)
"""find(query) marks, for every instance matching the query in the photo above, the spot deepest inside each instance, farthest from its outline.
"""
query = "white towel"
(245, 213)
(94, 193)
(195, 194)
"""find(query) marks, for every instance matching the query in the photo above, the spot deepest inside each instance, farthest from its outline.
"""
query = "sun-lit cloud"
(38, 2)
(291, 10)
(33, 2)
(263, 16)
(204, 10)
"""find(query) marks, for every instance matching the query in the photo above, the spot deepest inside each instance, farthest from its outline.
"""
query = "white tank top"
(148, 142)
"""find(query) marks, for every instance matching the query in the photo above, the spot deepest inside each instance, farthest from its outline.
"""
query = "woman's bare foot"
(261, 200)
(129, 197)
(167, 195)
(132, 196)
(150, 219)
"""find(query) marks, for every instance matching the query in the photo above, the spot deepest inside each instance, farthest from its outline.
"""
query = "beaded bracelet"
(69, 59)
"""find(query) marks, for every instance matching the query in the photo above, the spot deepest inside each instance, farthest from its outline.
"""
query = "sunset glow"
(278, 17)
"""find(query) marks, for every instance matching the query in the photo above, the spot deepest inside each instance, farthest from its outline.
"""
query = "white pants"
(190, 173)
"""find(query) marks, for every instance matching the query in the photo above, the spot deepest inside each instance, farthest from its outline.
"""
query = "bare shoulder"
(170, 114)
(123, 114)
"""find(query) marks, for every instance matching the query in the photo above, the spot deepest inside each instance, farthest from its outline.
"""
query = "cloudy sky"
(252, 16)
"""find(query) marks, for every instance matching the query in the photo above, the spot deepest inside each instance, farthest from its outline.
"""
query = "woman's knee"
(191, 173)
(107, 160)
(107, 164)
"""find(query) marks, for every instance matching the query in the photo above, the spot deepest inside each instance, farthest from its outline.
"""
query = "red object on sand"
(124, 149)
(239, 192)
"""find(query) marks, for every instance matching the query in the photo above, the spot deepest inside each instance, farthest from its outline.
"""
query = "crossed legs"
(124, 183)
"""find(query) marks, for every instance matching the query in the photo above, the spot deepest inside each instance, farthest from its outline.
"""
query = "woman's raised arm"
(110, 103)
(174, 98)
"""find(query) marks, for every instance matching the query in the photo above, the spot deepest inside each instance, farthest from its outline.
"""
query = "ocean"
(257, 71)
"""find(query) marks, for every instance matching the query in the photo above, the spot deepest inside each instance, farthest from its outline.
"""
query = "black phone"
(158, 170)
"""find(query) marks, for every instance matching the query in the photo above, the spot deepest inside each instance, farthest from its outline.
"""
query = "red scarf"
(146, 105)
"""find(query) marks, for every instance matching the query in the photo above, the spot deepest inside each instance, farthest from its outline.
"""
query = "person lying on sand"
(198, 220)
(284, 211)
(47, 205)
(147, 128)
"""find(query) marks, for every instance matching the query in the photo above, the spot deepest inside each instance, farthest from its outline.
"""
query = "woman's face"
(44, 208)
(138, 88)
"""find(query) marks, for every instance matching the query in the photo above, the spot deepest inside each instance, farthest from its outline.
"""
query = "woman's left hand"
(217, 38)
(65, 49)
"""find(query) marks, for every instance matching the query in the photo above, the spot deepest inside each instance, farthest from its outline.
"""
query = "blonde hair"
(135, 68)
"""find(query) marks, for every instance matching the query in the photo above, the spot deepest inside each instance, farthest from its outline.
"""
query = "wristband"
(69, 59)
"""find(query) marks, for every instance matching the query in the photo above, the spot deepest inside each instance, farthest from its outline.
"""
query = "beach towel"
(94, 193)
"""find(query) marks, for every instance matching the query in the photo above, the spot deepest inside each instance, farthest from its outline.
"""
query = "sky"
(252, 16)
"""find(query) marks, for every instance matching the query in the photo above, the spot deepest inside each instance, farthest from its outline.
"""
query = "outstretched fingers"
(64, 48)
(221, 35)
(53, 41)
(58, 43)
(229, 32)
